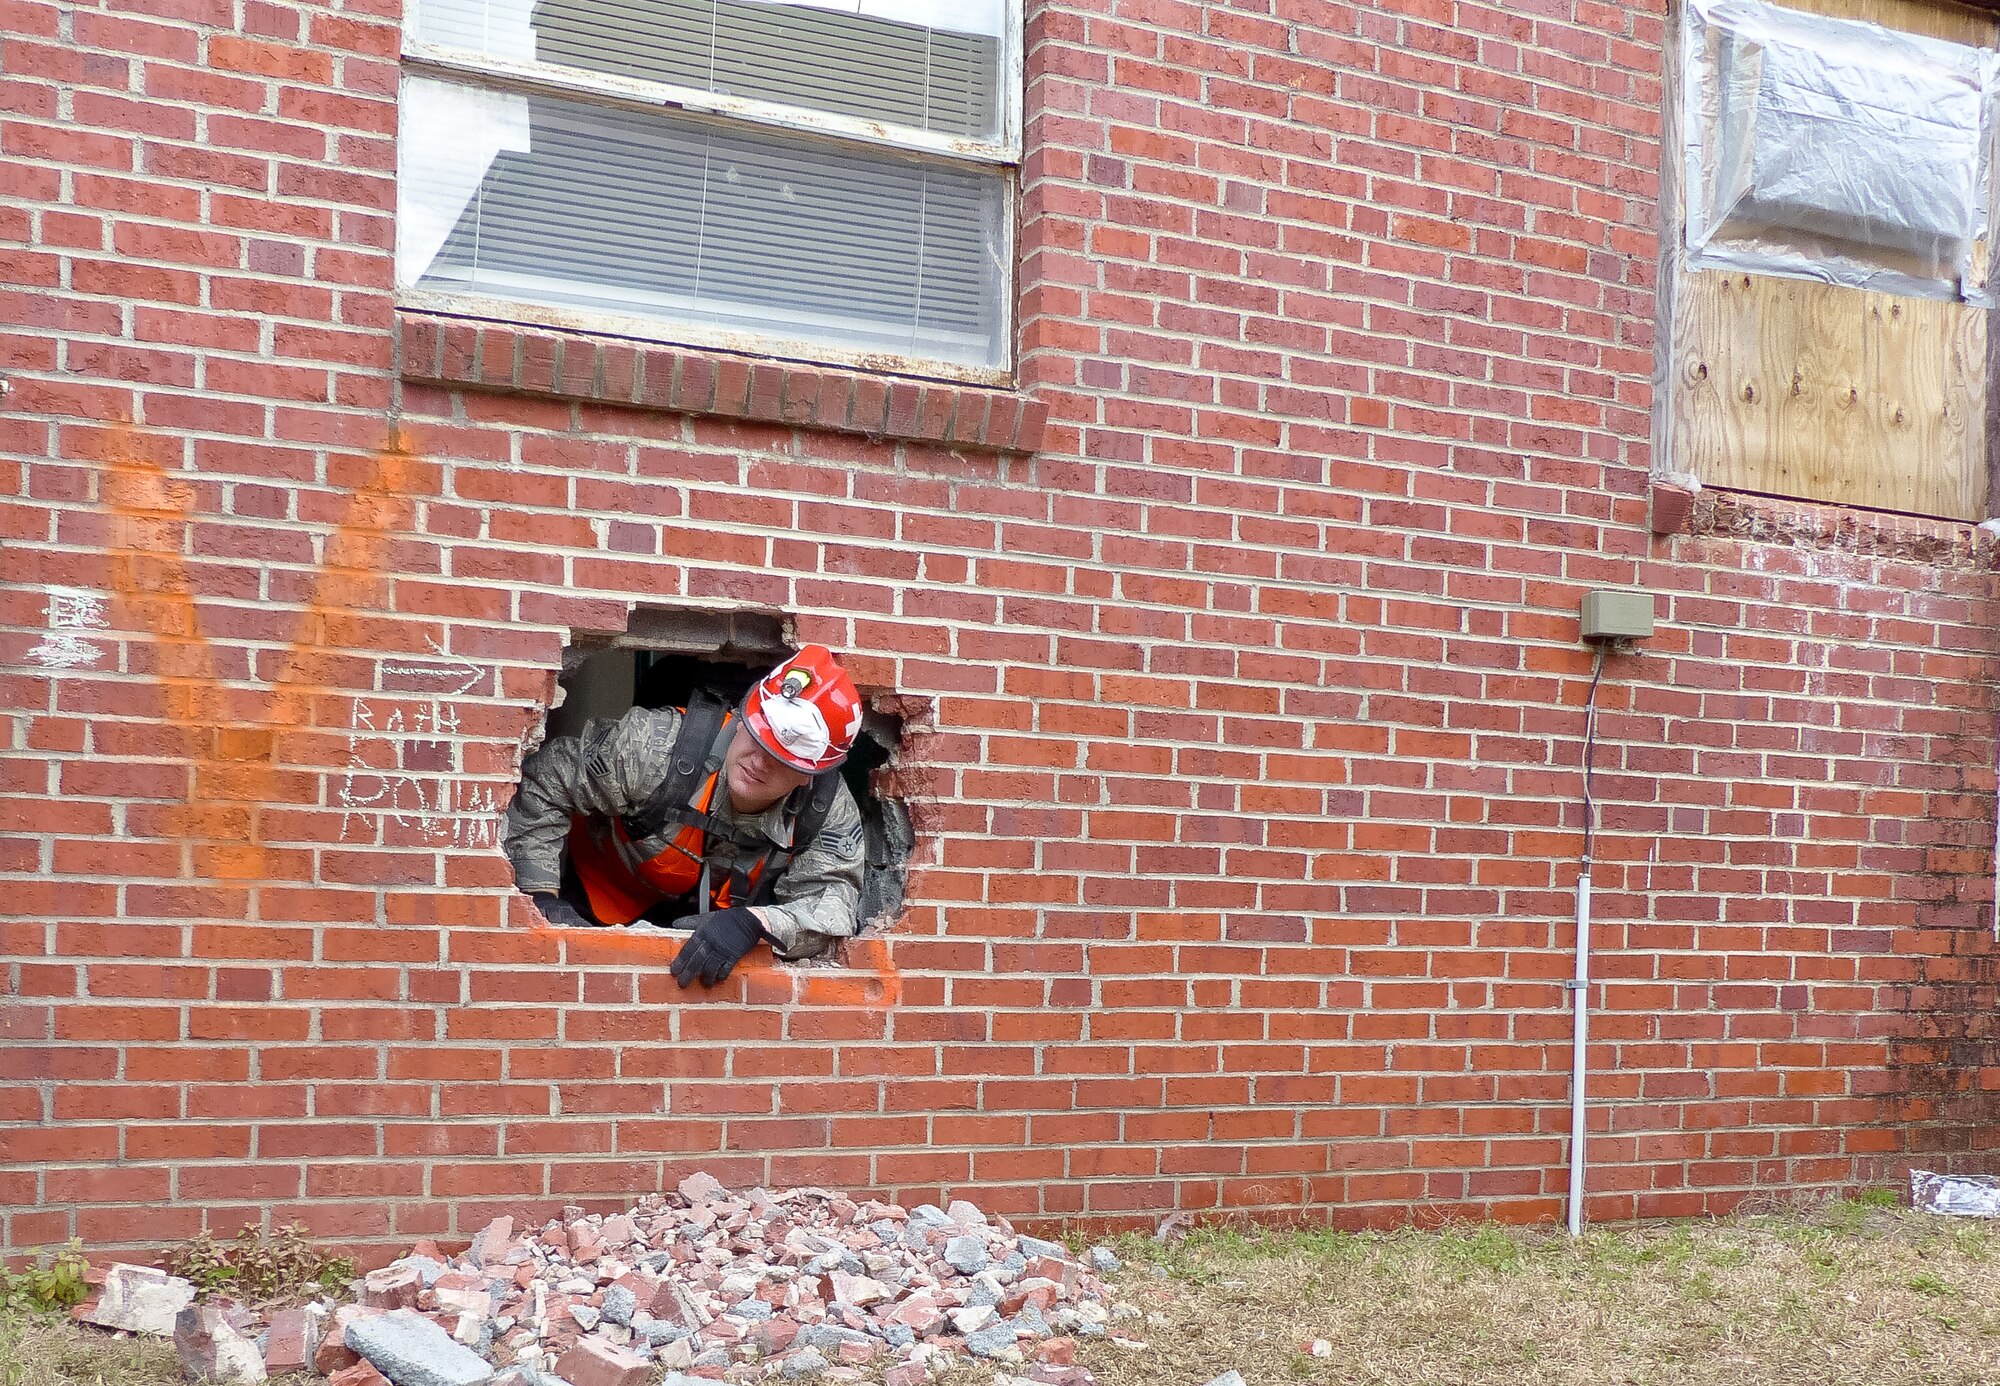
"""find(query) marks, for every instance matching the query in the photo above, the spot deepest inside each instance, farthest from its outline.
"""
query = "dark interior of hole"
(610, 682)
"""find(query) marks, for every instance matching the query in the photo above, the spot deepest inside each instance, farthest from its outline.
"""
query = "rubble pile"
(804, 1285)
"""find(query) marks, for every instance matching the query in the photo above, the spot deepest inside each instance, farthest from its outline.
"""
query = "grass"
(1851, 1293)
(49, 1350)
(1848, 1292)
(43, 1350)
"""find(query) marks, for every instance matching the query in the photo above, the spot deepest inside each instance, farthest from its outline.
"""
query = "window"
(825, 179)
(1826, 337)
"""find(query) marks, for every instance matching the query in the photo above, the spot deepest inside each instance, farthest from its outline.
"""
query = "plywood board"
(1804, 389)
(1932, 19)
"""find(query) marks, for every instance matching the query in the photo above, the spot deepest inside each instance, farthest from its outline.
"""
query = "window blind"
(654, 213)
(896, 68)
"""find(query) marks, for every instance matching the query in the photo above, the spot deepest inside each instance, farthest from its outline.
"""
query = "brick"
(391, 1289)
(491, 1244)
(594, 1362)
(359, 1374)
(1673, 506)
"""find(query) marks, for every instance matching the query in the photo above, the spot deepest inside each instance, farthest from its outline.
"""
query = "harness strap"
(696, 755)
(811, 803)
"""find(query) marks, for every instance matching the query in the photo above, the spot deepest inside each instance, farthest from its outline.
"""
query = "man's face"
(755, 778)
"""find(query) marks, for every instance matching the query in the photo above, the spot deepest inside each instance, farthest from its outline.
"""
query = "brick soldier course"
(1236, 648)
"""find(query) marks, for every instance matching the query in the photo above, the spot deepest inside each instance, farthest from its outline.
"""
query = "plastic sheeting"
(1955, 1195)
(1837, 150)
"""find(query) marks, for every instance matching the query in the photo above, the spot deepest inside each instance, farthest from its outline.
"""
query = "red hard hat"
(806, 712)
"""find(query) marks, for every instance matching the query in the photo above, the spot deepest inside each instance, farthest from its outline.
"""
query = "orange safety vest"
(622, 884)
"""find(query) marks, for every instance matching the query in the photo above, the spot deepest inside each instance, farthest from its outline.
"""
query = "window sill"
(521, 359)
(1683, 506)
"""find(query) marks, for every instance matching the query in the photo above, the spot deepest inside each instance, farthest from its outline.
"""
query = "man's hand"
(561, 912)
(718, 943)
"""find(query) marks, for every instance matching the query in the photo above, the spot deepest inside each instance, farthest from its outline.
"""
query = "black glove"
(561, 912)
(718, 943)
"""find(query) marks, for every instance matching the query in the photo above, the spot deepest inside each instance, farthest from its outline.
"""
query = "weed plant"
(285, 1265)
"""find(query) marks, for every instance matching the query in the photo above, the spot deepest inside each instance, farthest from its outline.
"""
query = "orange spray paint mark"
(236, 741)
(867, 980)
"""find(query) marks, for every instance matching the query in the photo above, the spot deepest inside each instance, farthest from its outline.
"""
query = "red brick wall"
(1246, 713)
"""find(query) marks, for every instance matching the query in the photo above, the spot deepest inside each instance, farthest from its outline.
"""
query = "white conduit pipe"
(1580, 987)
(1579, 1040)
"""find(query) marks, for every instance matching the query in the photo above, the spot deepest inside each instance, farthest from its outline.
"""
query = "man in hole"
(731, 823)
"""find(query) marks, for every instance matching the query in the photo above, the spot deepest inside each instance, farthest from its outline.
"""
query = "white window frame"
(488, 72)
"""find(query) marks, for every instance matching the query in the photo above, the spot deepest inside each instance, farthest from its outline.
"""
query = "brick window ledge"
(522, 359)
(1682, 505)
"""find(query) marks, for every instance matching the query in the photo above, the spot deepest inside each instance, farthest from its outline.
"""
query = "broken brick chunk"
(594, 1362)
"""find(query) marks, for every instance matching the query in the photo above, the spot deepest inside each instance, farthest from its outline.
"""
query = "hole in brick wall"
(663, 656)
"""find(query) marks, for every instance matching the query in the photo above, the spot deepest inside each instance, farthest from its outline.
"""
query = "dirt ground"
(1849, 1292)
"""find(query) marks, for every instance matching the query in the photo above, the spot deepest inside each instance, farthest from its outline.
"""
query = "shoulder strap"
(694, 758)
(812, 802)
(819, 803)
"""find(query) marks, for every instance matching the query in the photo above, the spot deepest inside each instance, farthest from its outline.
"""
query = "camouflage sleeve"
(611, 770)
(819, 894)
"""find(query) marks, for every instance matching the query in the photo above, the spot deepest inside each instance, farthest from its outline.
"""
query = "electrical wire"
(1589, 756)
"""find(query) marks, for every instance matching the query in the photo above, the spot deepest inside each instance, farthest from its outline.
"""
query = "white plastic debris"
(1955, 1195)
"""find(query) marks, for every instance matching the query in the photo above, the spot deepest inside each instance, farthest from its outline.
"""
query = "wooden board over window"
(1796, 388)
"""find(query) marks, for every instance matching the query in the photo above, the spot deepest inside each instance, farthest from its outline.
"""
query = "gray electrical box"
(1615, 615)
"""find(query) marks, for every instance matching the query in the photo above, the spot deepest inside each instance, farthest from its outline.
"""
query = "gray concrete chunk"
(967, 1254)
(619, 1305)
(657, 1331)
(803, 1364)
(410, 1350)
(828, 1337)
(424, 1266)
(991, 1340)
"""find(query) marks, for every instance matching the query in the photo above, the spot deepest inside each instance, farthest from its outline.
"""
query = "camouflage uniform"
(614, 768)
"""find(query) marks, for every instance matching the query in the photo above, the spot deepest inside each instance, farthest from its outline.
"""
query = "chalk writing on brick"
(415, 787)
(70, 609)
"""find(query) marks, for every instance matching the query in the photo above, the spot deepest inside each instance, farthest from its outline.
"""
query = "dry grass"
(1846, 1293)
(46, 1351)
(53, 1352)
